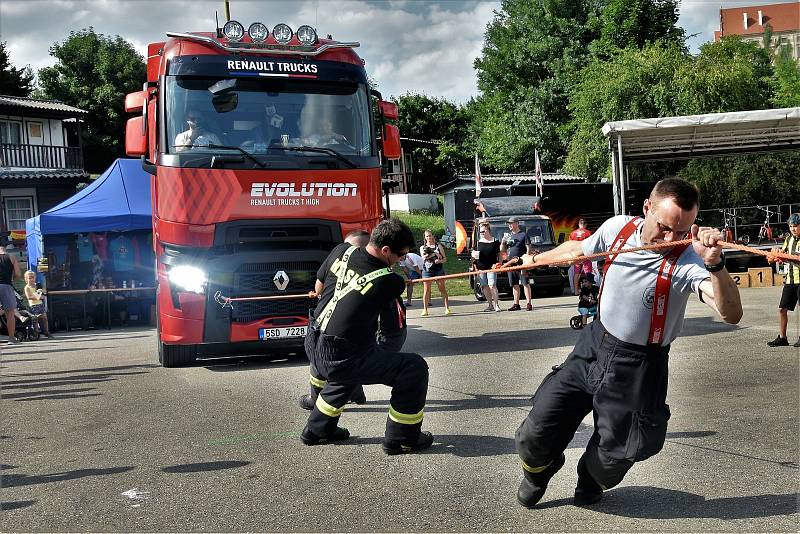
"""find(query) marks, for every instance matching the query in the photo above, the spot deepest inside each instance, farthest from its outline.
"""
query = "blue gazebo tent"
(117, 201)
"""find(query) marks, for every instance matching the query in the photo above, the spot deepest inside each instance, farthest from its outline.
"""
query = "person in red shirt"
(581, 233)
(577, 235)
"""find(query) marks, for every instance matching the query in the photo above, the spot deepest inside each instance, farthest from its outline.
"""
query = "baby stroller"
(27, 323)
(587, 302)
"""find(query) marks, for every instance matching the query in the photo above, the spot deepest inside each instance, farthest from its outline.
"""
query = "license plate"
(282, 333)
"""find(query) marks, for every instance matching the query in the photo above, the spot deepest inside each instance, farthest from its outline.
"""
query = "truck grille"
(256, 279)
(245, 312)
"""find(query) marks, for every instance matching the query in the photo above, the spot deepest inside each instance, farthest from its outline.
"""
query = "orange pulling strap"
(771, 257)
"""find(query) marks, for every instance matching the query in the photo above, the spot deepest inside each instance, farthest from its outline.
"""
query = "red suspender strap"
(619, 242)
(658, 317)
(401, 318)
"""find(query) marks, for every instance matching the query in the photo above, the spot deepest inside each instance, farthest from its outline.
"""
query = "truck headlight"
(188, 278)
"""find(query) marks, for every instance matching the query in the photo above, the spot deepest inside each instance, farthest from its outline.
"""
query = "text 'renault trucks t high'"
(265, 151)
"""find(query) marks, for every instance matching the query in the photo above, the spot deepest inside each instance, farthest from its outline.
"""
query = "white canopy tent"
(697, 136)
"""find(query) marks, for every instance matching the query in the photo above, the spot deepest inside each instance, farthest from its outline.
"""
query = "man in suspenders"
(392, 328)
(618, 368)
(358, 286)
(791, 283)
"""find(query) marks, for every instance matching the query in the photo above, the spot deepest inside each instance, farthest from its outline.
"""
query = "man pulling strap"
(618, 368)
(358, 285)
(392, 329)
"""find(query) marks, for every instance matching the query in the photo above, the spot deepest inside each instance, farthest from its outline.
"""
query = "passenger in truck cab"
(197, 134)
(325, 135)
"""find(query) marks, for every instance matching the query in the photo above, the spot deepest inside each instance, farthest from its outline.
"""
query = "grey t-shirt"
(626, 303)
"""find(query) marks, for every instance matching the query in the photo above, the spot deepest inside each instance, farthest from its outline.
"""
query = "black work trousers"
(624, 385)
(345, 366)
(391, 342)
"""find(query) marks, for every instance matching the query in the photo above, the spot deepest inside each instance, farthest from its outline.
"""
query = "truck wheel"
(479, 293)
(174, 355)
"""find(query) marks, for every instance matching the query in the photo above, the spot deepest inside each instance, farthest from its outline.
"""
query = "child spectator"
(36, 305)
(587, 297)
(412, 265)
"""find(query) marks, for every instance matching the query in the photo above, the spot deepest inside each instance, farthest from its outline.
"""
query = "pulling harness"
(362, 284)
(658, 317)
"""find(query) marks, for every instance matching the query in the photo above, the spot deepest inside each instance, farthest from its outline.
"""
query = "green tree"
(434, 120)
(745, 180)
(729, 75)
(14, 81)
(94, 72)
(531, 55)
(633, 84)
(787, 80)
(636, 23)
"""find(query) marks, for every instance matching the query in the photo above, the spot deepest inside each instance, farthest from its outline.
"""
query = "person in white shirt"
(618, 369)
(412, 265)
(197, 135)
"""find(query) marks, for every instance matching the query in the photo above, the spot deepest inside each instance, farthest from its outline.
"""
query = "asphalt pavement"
(96, 436)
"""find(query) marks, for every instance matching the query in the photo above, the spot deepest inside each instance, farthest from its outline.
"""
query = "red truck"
(265, 150)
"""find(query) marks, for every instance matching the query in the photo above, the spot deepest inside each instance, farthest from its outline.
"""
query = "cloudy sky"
(409, 45)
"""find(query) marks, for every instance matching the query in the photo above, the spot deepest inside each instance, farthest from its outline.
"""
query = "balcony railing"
(40, 156)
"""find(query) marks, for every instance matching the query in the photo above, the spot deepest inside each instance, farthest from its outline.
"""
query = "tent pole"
(614, 177)
(622, 177)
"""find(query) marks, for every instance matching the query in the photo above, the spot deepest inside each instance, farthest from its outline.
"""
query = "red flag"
(538, 173)
(477, 176)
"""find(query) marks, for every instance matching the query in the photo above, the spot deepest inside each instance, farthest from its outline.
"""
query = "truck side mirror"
(388, 109)
(135, 101)
(135, 137)
(391, 141)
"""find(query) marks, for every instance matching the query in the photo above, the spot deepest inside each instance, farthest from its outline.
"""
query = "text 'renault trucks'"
(265, 149)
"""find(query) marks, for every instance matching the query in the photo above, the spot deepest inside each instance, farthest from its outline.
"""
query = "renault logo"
(281, 280)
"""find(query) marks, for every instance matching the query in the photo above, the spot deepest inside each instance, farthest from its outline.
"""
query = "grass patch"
(421, 221)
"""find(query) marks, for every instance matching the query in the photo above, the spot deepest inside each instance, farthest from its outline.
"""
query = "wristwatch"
(717, 267)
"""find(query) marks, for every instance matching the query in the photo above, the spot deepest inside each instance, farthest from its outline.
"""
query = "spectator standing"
(9, 271)
(486, 256)
(433, 260)
(36, 306)
(412, 265)
(515, 244)
(791, 284)
(579, 234)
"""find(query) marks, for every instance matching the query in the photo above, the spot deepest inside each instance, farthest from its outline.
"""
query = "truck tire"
(173, 355)
(479, 293)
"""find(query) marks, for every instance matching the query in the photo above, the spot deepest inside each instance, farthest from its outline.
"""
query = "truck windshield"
(266, 116)
(538, 231)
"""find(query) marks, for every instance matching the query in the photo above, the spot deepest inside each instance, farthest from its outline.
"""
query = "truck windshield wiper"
(244, 152)
(321, 150)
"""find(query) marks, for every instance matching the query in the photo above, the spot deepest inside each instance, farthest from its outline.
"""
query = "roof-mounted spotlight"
(233, 31)
(307, 35)
(258, 32)
(282, 33)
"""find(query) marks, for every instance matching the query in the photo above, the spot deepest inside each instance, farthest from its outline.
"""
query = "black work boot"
(309, 438)
(587, 491)
(778, 342)
(423, 441)
(533, 485)
(306, 402)
(358, 397)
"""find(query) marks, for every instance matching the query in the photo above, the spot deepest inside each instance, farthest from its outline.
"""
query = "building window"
(10, 133)
(18, 210)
